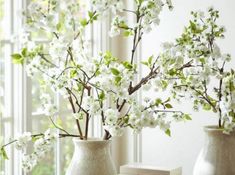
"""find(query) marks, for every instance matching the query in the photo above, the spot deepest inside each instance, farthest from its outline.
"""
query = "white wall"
(187, 138)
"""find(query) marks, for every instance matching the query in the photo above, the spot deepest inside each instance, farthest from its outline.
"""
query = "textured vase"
(217, 157)
(91, 157)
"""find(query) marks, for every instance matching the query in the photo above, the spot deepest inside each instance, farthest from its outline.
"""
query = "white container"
(217, 157)
(91, 157)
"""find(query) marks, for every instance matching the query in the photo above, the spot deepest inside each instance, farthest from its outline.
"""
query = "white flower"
(163, 124)
(22, 140)
(79, 116)
(116, 22)
(111, 116)
(216, 51)
(28, 162)
(115, 131)
(51, 134)
(152, 122)
(228, 128)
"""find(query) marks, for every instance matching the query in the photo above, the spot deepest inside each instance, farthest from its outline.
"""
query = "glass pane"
(36, 105)
(45, 166)
(67, 143)
(5, 166)
(65, 105)
(1, 103)
(5, 19)
(37, 92)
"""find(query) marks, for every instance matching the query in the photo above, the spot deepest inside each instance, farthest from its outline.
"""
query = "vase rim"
(212, 128)
(91, 139)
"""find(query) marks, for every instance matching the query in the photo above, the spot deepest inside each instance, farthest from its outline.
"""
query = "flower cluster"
(147, 17)
(102, 6)
(66, 65)
(42, 144)
(23, 140)
(196, 56)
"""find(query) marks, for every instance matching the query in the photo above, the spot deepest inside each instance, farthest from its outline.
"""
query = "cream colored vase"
(218, 154)
(91, 157)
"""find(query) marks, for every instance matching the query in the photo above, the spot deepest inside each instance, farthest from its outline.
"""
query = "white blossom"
(28, 162)
(22, 140)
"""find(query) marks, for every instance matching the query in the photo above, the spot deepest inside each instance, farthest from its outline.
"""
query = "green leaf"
(3, 154)
(34, 139)
(102, 96)
(95, 17)
(108, 58)
(90, 14)
(123, 25)
(24, 52)
(168, 106)
(150, 60)
(187, 117)
(164, 84)
(127, 33)
(158, 101)
(17, 58)
(206, 106)
(115, 71)
(144, 63)
(118, 79)
(127, 65)
(59, 26)
(168, 132)
(73, 73)
(83, 22)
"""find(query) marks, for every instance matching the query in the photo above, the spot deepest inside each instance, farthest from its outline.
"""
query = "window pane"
(1, 103)
(36, 105)
(5, 18)
(67, 143)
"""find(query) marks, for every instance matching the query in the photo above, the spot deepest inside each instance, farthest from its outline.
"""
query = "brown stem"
(122, 105)
(87, 116)
(107, 135)
(74, 111)
(56, 126)
(143, 81)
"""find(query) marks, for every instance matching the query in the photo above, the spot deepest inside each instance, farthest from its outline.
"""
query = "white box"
(141, 169)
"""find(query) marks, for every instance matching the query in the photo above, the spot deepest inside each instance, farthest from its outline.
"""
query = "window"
(20, 108)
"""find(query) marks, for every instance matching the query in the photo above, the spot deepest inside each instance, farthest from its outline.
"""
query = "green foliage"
(128, 33)
(102, 96)
(83, 22)
(3, 153)
(149, 62)
(158, 101)
(115, 71)
(206, 106)
(168, 106)
(127, 65)
(108, 58)
(73, 73)
(118, 80)
(17, 58)
(187, 117)
(164, 84)
(168, 132)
